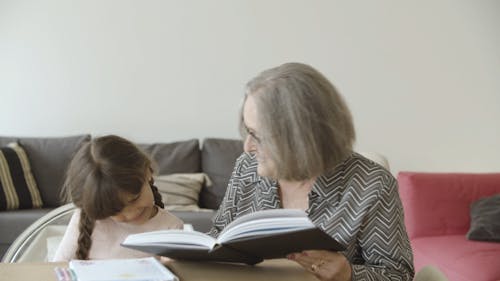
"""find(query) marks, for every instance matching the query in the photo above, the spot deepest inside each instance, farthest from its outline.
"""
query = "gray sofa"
(49, 158)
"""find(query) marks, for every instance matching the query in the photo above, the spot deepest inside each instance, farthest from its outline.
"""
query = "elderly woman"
(299, 137)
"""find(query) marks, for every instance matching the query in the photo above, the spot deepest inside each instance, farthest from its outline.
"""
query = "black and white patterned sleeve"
(384, 242)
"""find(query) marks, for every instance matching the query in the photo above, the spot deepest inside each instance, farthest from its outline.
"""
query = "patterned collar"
(327, 187)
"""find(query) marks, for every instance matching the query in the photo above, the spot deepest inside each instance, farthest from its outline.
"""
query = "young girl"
(110, 182)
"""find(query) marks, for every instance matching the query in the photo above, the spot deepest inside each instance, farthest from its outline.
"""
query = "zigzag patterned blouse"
(357, 203)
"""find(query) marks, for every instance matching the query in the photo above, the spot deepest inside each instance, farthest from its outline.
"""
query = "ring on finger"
(315, 267)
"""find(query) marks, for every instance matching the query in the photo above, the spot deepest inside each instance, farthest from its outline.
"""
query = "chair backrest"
(439, 203)
(38, 242)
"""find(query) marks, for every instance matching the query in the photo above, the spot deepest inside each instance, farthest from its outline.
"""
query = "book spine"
(232, 253)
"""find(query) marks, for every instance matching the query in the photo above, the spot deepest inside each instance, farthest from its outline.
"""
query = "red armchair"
(437, 218)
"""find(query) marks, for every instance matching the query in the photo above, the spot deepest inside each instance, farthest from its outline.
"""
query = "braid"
(86, 227)
(157, 196)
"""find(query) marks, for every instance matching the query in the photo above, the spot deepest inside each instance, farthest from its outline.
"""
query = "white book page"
(121, 269)
(188, 239)
(265, 222)
(265, 226)
(272, 213)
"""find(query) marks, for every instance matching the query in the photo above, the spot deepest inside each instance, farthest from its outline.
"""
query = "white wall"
(422, 78)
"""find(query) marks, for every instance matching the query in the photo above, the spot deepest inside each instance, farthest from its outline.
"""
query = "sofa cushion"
(439, 203)
(18, 188)
(175, 157)
(458, 258)
(485, 219)
(49, 158)
(181, 190)
(218, 157)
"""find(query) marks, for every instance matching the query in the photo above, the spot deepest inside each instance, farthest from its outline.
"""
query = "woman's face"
(252, 142)
(139, 208)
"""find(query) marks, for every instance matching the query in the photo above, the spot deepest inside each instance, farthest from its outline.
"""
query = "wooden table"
(280, 269)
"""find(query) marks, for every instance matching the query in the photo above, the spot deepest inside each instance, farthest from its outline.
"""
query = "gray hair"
(304, 123)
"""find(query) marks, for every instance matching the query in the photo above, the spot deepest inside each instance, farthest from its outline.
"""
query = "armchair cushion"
(460, 259)
(485, 219)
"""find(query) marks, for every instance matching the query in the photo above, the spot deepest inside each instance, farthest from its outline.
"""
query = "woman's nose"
(249, 144)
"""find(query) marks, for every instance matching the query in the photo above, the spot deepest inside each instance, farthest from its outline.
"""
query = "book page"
(265, 226)
(266, 222)
(121, 269)
(272, 213)
(182, 238)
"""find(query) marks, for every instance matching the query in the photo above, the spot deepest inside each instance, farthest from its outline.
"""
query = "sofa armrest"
(439, 203)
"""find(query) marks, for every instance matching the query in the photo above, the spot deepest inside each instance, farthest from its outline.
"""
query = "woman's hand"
(326, 265)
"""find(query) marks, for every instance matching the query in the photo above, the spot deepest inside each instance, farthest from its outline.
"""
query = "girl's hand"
(325, 265)
(164, 260)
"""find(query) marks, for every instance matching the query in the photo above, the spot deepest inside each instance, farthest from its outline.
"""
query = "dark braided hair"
(101, 170)
(156, 194)
(85, 228)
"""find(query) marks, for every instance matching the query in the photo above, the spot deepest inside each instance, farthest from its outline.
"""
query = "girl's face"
(252, 142)
(139, 208)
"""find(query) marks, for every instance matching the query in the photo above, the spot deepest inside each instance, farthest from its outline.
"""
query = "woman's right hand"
(325, 265)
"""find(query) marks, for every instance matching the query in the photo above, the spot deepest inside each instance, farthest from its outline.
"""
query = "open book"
(249, 239)
(139, 269)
